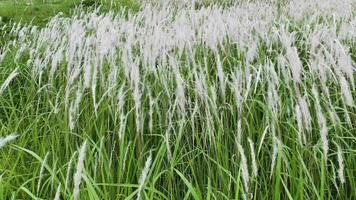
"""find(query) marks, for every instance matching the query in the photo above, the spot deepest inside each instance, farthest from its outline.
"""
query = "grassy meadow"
(178, 100)
(39, 12)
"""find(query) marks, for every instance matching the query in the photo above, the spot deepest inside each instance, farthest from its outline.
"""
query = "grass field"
(39, 12)
(176, 100)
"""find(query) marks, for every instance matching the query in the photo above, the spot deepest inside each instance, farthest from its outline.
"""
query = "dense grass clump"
(252, 100)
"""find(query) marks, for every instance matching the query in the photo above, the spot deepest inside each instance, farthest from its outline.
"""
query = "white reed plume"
(291, 54)
(143, 175)
(239, 131)
(273, 99)
(341, 164)
(305, 112)
(213, 97)
(87, 66)
(7, 139)
(295, 64)
(321, 121)
(74, 74)
(181, 100)
(74, 108)
(345, 89)
(244, 168)
(87, 75)
(285, 72)
(71, 116)
(93, 84)
(221, 75)
(76, 35)
(120, 105)
(333, 115)
(122, 125)
(150, 112)
(253, 157)
(345, 62)
(248, 83)
(78, 174)
(210, 127)
(276, 145)
(199, 83)
(7, 81)
(20, 51)
(252, 51)
(262, 139)
(135, 81)
(56, 59)
(68, 173)
(334, 175)
(237, 87)
(41, 172)
(112, 77)
(58, 193)
(300, 131)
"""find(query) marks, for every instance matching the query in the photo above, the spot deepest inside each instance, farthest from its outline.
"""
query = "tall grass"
(252, 100)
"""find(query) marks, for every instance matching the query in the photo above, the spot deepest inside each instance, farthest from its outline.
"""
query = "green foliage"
(197, 168)
(90, 3)
(40, 11)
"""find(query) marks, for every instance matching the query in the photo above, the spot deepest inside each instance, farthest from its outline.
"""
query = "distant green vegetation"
(40, 11)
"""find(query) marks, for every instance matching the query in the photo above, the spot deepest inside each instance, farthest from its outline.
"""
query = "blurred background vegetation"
(39, 12)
